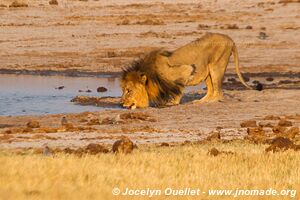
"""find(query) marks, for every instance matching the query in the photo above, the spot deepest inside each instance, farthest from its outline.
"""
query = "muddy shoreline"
(70, 73)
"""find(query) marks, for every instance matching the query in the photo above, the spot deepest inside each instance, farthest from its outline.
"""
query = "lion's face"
(134, 90)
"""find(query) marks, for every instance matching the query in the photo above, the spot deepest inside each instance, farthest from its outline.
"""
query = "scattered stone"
(203, 26)
(214, 136)
(101, 89)
(60, 87)
(93, 122)
(137, 116)
(17, 4)
(216, 152)
(285, 123)
(46, 130)
(249, 27)
(288, 1)
(33, 124)
(259, 87)
(164, 144)
(150, 22)
(27, 130)
(266, 124)
(94, 149)
(255, 82)
(292, 132)
(97, 101)
(232, 26)
(269, 79)
(279, 129)
(124, 22)
(53, 2)
(285, 82)
(246, 78)
(80, 91)
(271, 117)
(111, 54)
(88, 91)
(213, 152)
(125, 145)
(248, 123)
(5, 136)
(256, 131)
(231, 80)
(281, 144)
(262, 35)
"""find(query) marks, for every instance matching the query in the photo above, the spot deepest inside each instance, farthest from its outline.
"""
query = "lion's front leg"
(210, 92)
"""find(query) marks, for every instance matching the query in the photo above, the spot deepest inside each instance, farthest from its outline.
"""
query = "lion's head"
(134, 90)
(142, 83)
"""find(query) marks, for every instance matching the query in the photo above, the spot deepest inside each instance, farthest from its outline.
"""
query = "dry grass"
(93, 177)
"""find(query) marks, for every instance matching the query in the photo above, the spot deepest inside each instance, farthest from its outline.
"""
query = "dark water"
(29, 95)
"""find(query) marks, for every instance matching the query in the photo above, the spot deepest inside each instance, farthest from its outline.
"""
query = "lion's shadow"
(189, 97)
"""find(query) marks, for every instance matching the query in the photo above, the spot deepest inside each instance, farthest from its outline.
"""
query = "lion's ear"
(143, 78)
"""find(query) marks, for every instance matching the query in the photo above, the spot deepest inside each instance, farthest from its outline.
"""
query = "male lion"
(162, 75)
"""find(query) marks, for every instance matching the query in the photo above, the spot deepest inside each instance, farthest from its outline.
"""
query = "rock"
(60, 87)
(262, 35)
(232, 26)
(95, 149)
(203, 27)
(213, 152)
(248, 123)
(231, 80)
(259, 87)
(246, 78)
(292, 132)
(125, 145)
(285, 123)
(27, 130)
(279, 129)
(215, 135)
(281, 144)
(94, 121)
(216, 152)
(53, 2)
(266, 124)
(249, 27)
(164, 144)
(254, 131)
(137, 116)
(101, 89)
(88, 91)
(272, 117)
(17, 4)
(33, 124)
(269, 79)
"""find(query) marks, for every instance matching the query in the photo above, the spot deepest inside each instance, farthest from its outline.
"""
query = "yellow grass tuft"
(93, 177)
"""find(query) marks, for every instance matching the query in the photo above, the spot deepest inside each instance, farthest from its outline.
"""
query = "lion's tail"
(236, 61)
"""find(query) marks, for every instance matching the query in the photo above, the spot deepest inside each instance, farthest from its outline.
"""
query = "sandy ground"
(101, 37)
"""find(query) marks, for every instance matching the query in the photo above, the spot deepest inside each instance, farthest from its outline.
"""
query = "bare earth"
(96, 37)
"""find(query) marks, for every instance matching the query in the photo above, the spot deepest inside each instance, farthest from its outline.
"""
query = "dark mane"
(167, 90)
